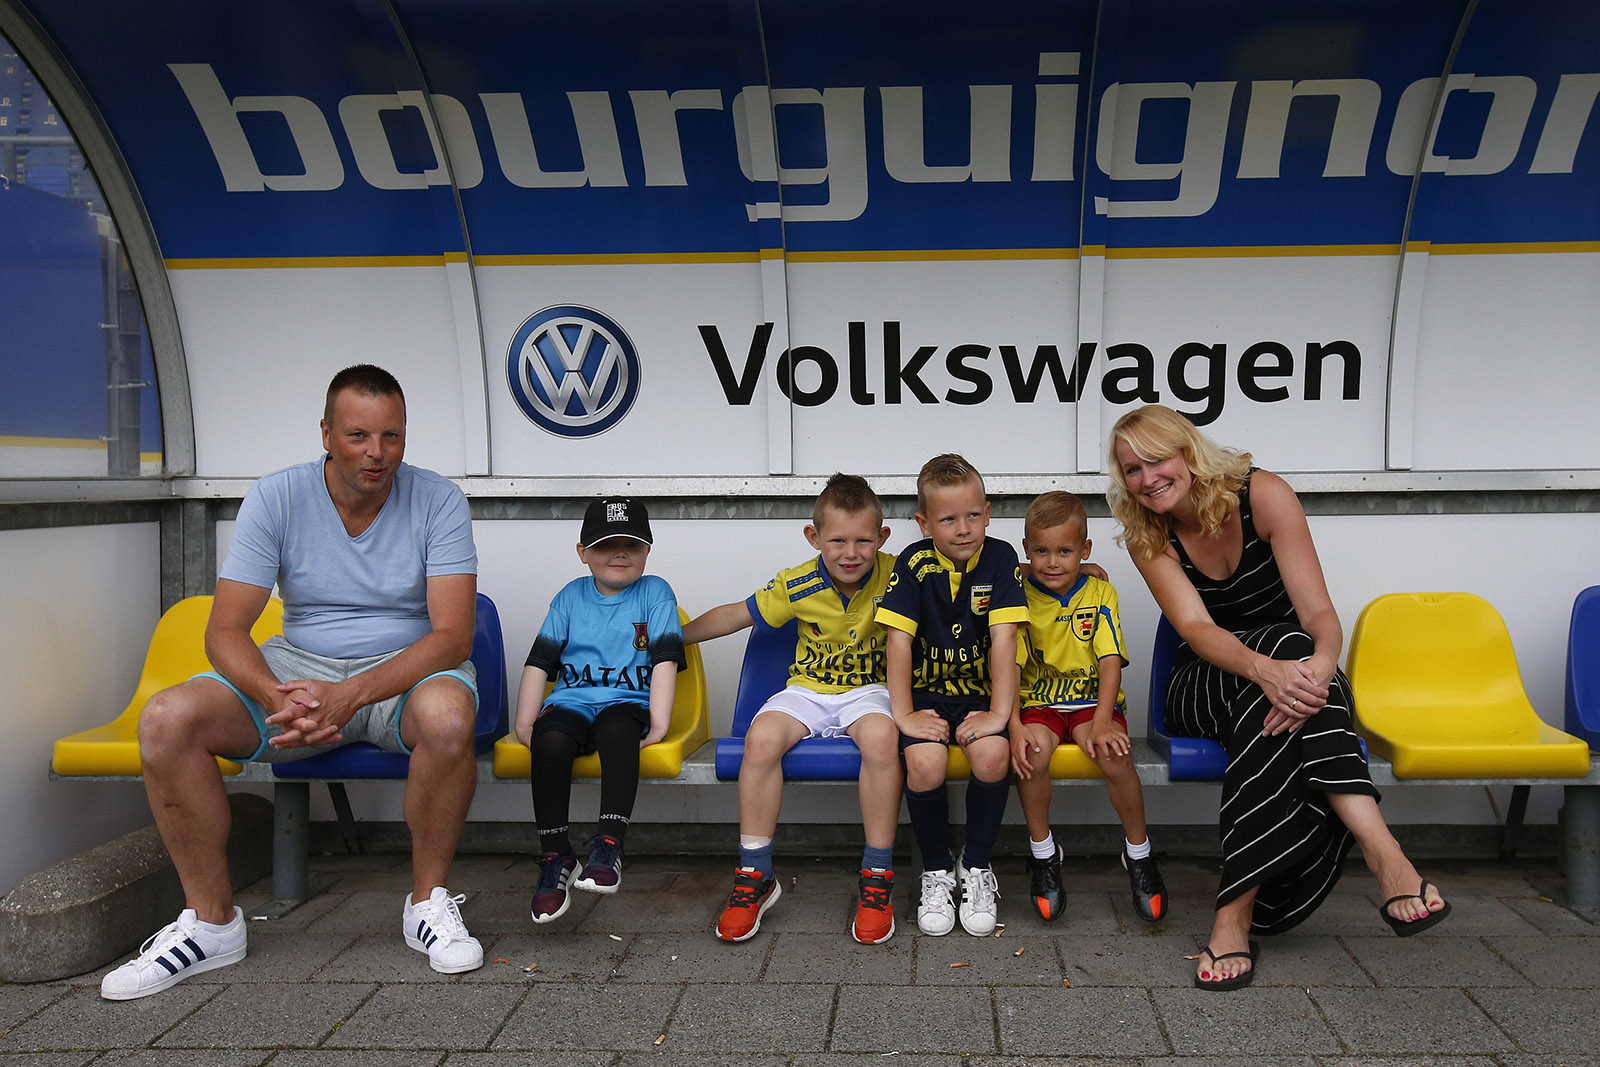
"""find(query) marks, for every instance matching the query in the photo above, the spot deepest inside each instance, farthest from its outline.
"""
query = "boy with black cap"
(613, 645)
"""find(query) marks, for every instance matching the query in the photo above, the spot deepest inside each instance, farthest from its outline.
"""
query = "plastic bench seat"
(1583, 667)
(688, 730)
(768, 654)
(1189, 759)
(176, 654)
(1439, 694)
(365, 760)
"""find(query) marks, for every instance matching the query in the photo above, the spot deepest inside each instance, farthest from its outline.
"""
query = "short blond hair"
(1055, 509)
(850, 494)
(943, 472)
(1156, 433)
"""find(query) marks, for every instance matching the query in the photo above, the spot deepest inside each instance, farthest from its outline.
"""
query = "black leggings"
(560, 736)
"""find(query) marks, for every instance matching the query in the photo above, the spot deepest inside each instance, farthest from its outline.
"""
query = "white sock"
(753, 841)
(1043, 850)
(1139, 851)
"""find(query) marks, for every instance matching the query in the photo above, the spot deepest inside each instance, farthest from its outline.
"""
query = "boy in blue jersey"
(951, 614)
(614, 645)
(1072, 657)
(836, 686)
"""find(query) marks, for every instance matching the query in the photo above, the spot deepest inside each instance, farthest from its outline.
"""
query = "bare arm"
(231, 649)
(897, 662)
(663, 691)
(718, 622)
(452, 613)
(530, 700)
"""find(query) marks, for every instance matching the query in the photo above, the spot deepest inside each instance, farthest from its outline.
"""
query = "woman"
(1227, 553)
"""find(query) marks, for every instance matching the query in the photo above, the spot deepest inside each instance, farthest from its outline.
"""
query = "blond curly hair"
(1156, 433)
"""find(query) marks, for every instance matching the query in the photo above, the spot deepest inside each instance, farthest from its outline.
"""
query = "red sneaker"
(751, 897)
(874, 921)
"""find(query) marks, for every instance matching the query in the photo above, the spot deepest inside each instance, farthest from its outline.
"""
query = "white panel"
(681, 422)
(938, 305)
(1295, 301)
(79, 605)
(263, 344)
(1506, 367)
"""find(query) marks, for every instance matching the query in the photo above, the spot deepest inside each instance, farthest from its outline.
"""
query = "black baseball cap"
(615, 517)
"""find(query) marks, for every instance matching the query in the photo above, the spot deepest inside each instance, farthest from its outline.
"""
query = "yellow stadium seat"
(1439, 695)
(689, 729)
(177, 653)
(1068, 761)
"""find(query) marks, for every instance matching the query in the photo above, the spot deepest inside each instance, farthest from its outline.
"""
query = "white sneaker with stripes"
(173, 953)
(435, 927)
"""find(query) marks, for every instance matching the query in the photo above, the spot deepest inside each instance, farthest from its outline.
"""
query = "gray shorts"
(377, 723)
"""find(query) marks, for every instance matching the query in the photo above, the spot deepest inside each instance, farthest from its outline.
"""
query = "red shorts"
(1062, 721)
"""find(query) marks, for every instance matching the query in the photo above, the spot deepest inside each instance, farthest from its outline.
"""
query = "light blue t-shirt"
(344, 596)
(599, 650)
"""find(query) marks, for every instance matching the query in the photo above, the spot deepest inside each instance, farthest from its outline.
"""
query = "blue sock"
(930, 825)
(758, 858)
(986, 807)
(877, 858)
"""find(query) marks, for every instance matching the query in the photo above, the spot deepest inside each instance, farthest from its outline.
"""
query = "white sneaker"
(979, 892)
(173, 953)
(936, 914)
(435, 927)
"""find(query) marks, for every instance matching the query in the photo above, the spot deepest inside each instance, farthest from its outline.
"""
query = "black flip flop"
(1238, 981)
(1415, 926)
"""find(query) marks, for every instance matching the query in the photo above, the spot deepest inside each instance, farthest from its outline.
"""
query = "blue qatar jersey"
(599, 650)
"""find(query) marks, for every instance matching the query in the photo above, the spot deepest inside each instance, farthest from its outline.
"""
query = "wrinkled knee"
(168, 724)
(763, 745)
(878, 738)
(925, 766)
(441, 718)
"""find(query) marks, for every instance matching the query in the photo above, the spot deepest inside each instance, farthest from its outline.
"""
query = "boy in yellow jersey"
(836, 686)
(1071, 655)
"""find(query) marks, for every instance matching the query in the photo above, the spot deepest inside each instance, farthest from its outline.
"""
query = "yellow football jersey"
(1064, 641)
(840, 646)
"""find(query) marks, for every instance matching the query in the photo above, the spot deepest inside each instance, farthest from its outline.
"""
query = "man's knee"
(199, 715)
(440, 714)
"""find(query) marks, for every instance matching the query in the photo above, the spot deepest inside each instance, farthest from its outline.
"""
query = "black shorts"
(951, 711)
(580, 727)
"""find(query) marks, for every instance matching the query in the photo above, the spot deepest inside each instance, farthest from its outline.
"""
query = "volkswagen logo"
(572, 371)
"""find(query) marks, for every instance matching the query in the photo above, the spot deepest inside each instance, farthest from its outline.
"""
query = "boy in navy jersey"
(951, 614)
(836, 686)
(613, 643)
(1072, 657)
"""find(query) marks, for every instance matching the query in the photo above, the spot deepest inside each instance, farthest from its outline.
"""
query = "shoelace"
(446, 917)
(875, 891)
(552, 866)
(983, 888)
(937, 886)
(746, 891)
(1143, 877)
(604, 852)
(163, 939)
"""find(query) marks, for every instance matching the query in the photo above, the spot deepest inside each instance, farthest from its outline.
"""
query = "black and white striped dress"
(1278, 831)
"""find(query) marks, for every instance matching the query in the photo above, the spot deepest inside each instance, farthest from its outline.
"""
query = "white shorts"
(829, 714)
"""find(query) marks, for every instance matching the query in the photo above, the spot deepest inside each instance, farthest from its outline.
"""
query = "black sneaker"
(1149, 891)
(603, 872)
(1049, 897)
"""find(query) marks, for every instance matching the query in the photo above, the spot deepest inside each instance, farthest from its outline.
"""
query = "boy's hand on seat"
(656, 733)
(926, 724)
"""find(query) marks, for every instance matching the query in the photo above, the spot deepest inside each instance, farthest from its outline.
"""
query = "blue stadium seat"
(768, 654)
(1583, 668)
(1189, 759)
(363, 760)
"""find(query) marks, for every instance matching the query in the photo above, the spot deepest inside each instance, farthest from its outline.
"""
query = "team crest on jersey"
(641, 636)
(980, 598)
(1083, 623)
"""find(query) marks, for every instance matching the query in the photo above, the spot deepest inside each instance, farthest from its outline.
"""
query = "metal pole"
(1581, 844)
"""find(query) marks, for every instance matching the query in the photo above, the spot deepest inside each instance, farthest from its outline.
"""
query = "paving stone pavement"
(637, 979)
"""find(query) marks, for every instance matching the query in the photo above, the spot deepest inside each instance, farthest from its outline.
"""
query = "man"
(376, 566)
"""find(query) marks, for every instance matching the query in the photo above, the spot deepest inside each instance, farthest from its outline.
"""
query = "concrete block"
(85, 911)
